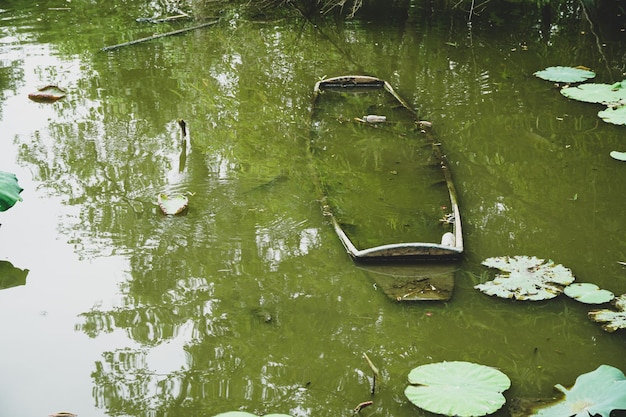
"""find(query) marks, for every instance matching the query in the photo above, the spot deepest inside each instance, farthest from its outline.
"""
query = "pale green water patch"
(156, 315)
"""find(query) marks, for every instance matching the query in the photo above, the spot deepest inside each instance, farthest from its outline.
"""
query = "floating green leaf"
(596, 93)
(620, 156)
(236, 414)
(616, 116)
(595, 393)
(526, 278)
(11, 276)
(246, 414)
(588, 293)
(457, 388)
(613, 320)
(9, 190)
(172, 205)
(565, 74)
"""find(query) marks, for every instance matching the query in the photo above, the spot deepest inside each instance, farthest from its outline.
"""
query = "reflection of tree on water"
(209, 282)
(196, 281)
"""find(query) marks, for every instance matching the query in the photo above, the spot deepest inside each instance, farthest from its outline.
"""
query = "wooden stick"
(374, 371)
(362, 405)
(163, 19)
(161, 35)
(182, 159)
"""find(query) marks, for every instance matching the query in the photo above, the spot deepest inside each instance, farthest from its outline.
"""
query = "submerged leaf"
(595, 93)
(615, 116)
(457, 388)
(613, 320)
(595, 393)
(565, 74)
(528, 278)
(9, 190)
(588, 293)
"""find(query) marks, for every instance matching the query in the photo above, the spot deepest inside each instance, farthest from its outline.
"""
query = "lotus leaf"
(616, 116)
(588, 293)
(457, 388)
(565, 74)
(528, 278)
(613, 320)
(172, 205)
(620, 156)
(246, 414)
(9, 190)
(595, 393)
(595, 93)
(11, 276)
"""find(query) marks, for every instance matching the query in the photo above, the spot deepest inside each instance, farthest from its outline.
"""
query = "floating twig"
(183, 127)
(374, 371)
(183, 145)
(162, 19)
(161, 35)
(362, 405)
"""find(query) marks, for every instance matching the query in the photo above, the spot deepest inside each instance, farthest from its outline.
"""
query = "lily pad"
(620, 156)
(596, 393)
(172, 205)
(613, 320)
(615, 116)
(9, 190)
(596, 93)
(565, 74)
(457, 388)
(11, 276)
(526, 278)
(246, 414)
(47, 94)
(588, 293)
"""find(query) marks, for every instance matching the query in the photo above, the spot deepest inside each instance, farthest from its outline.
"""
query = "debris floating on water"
(373, 118)
(47, 94)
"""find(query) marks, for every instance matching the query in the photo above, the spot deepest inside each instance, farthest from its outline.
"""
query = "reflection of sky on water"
(285, 238)
(171, 299)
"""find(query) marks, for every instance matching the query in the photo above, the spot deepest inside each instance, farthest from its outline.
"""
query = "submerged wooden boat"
(385, 184)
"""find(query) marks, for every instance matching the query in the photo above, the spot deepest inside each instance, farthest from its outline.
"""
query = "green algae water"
(382, 179)
(249, 301)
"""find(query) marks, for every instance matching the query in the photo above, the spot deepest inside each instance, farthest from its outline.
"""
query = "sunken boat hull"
(384, 183)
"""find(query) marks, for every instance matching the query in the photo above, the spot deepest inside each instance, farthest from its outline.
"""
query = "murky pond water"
(249, 300)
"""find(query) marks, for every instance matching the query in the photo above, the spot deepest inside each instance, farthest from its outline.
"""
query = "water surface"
(249, 301)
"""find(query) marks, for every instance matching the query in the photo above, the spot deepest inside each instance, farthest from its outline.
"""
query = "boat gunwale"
(402, 250)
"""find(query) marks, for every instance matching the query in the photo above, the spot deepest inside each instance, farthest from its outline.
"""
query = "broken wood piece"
(362, 405)
(374, 371)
